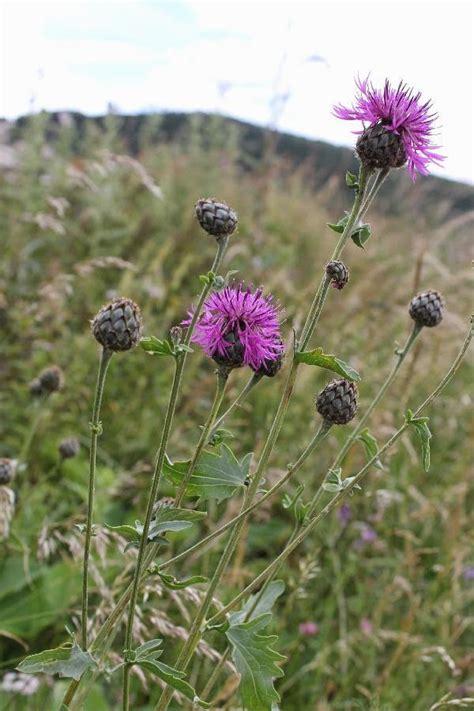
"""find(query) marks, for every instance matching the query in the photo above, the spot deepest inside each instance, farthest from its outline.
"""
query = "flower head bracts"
(240, 315)
(402, 112)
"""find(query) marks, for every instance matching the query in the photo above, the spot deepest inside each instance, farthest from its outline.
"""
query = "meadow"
(377, 612)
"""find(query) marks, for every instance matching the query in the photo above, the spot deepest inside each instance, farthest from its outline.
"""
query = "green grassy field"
(389, 581)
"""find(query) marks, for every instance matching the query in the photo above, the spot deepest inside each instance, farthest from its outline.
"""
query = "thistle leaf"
(424, 433)
(217, 475)
(256, 662)
(68, 660)
(370, 445)
(264, 605)
(330, 362)
(173, 678)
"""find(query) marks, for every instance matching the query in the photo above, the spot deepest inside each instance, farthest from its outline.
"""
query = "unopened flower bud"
(270, 368)
(50, 380)
(337, 403)
(216, 218)
(69, 448)
(426, 309)
(338, 273)
(117, 326)
(176, 334)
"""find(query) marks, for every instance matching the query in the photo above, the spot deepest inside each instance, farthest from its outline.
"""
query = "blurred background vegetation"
(93, 208)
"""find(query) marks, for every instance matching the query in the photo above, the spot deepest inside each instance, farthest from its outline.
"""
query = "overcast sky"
(266, 62)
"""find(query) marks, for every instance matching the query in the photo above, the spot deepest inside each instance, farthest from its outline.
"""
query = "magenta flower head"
(399, 131)
(239, 326)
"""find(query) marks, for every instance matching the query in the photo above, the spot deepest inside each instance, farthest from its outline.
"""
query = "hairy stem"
(96, 429)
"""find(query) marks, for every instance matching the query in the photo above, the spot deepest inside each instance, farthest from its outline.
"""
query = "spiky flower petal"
(239, 326)
(401, 113)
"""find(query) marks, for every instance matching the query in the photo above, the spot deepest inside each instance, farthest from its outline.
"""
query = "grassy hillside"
(389, 580)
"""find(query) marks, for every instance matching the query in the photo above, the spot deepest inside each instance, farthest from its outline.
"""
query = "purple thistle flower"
(240, 324)
(401, 112)
(468, 572)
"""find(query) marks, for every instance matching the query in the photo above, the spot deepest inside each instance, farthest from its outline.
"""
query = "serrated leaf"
(330, 362)
(68, 660)
(370, 446)
(127, 530)
(217, 475)
(155, 346)
(174, 584)
(173, 678)
(424, 433)
(361, 234)
(256, 662)
(264, 605)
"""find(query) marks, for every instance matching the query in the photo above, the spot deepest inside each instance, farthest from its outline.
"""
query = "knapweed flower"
(400, 127)
(239, 326)
(308, 629)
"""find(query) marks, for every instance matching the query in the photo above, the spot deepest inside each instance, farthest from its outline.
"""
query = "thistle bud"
(35, 388)
(69, 448)
(337, 403)
(426, 309)
(117, 325)
(7, 470)
(216, 218)
(338, 273)
(269, 367)
(379, 148)
(50, 380)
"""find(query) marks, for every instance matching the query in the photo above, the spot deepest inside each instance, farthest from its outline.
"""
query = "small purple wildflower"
(468, 572)
(366, 626)
(402, 112)
(367, 537)
(238, 315)
(344, 514)
(308, 629)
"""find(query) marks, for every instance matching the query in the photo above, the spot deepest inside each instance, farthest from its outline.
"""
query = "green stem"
(38, 405)
(308, 330)
(156, 479)
(254, 380)
(222, 376)
(96, 429)
(292, 470)
(109, 627)
(401, 355)
(196, 628)
(311, 525)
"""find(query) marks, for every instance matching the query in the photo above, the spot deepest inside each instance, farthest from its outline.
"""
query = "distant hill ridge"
(437, 199)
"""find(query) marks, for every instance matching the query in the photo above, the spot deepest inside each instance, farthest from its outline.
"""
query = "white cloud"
(236, 56)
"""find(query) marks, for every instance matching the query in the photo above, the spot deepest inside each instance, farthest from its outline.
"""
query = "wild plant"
(240, 326)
